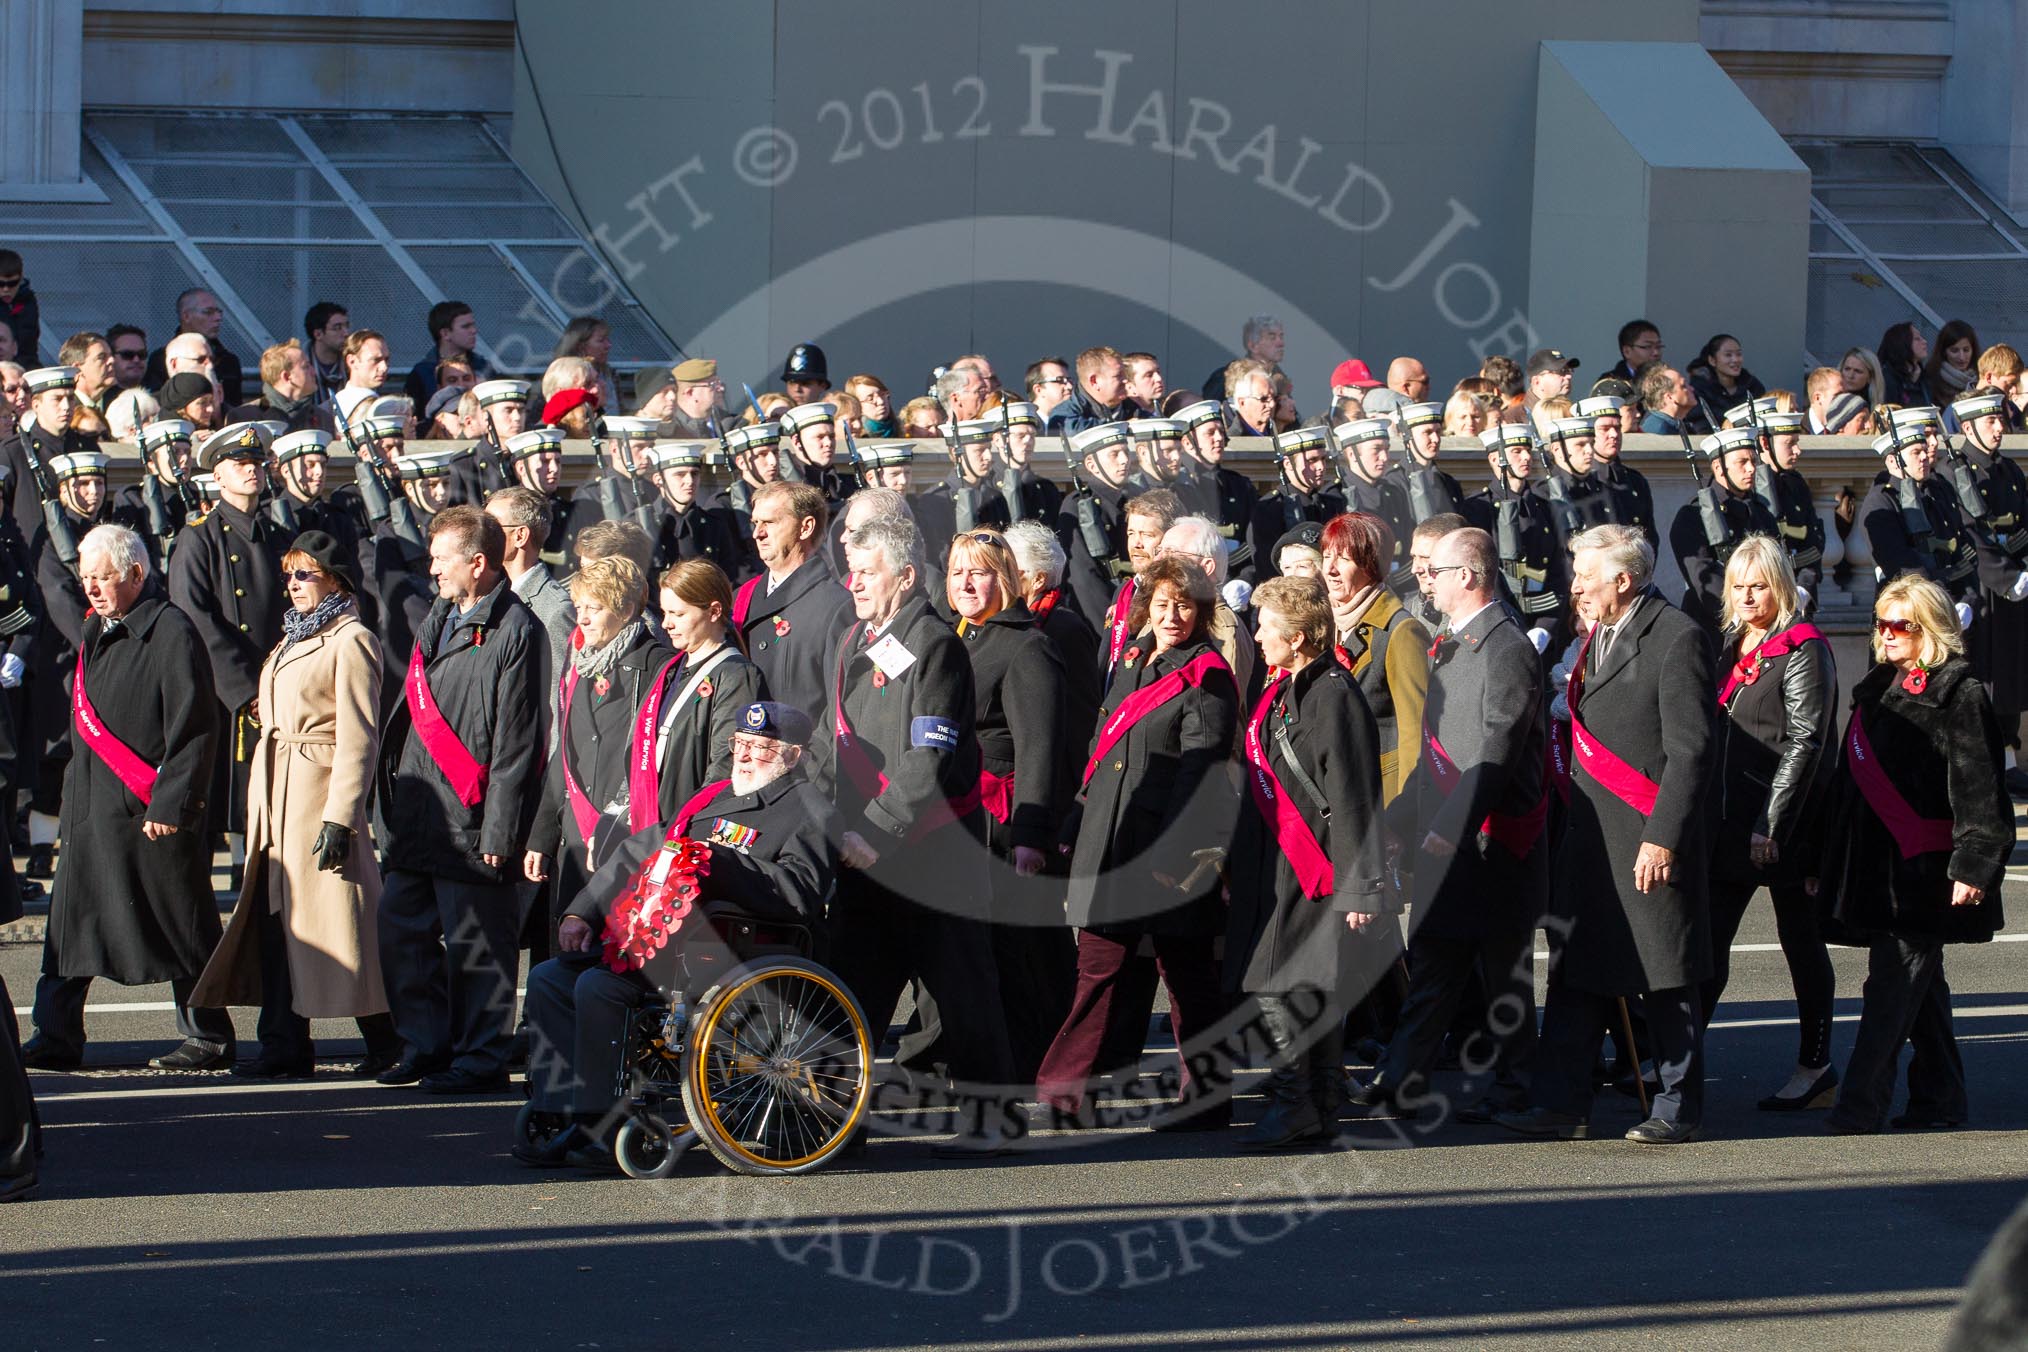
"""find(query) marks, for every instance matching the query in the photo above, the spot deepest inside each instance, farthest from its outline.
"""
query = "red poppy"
(1133, 655)
(1916, 681)
(781, 626)
(704, 690)
(879, 678)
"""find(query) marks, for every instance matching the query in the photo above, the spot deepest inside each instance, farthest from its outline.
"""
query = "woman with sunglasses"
(1923, 831)
(303, 943)
(1777, 704)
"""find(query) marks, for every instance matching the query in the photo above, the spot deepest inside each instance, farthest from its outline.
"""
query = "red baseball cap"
(1353, 372)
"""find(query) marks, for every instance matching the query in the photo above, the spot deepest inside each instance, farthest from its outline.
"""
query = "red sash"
(1622, 780)
(1117, 632)
(121, 759)
(742, 601)
(867, 778)
(1517, 833)
(996, 792)
(1747, 669)
(698, 802)
(1149, 698)
(644, 772)
(1559, 757)
(440, 739)
(1309, 859)
(1913, 835)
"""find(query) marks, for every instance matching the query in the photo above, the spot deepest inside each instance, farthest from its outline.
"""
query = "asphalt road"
(336, 1214)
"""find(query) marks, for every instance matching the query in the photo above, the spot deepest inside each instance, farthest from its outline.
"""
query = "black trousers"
(1440, 973)
(578, 1012)
(1802, 941)
(448, 954)
(1906, 1001)
(60, 1010)
(285, 1034)
(20, 1124)
(1574, 1020)
(879, 939)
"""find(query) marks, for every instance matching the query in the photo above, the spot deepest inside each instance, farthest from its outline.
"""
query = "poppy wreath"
(645, 918)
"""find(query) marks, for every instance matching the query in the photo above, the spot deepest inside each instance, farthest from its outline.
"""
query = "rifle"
(1091, 526)
(1965, 482)
(1907, 492)
(1559, 492)
(1710, 510)
(1427, 495)
(381, 491)
(1010, 473)
(54, 520)
(1764, 486)
(963, 504)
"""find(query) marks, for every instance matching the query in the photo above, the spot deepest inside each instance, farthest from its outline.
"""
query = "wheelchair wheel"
(779, 1068)
(538, 1128)
(648, 1147)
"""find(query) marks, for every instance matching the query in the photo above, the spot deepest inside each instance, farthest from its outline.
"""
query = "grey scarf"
(597, 663)
(298, 625)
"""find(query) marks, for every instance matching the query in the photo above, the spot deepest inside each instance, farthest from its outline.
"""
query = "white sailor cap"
(45, 378)
(678, 455)
(1778, 423)
(206, 486)
(1197, 414)
(881, 454)
(794, 420)
(391, 406)
(1599, 406)
(1019, 413)
(1362, 429)
(1727, 439)
(1972, 406)
(1507, 434)
(1156, 429)
(1743, 415)
(1095, 439)
(1415, 415)
(491, 392)
(970, 432)
(165, 432)
(428, 464)
(627, 428)
(1572, 427)
(74, 463)
(753, 437)
(535, 441)
(378, 426)
(1297, 440)
(1922, 415)
(309, 441)
(241, 441)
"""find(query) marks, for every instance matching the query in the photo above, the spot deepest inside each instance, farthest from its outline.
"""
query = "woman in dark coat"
(1720, 380)
(1156, 791)
(1923, 828)
(1777, 702)
(1026, 782)
(614, 656)
(1306, 865)
(698, 693)
(1903, 351)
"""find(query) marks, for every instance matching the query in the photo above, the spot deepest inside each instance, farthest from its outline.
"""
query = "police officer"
(1304, 457)
(1914, 522)
(1093, 522)
(1515, 513)
(167, 496)
(1702, 541)
(967, 497)
(682, 527)
(1210, 490)
(1370, 487)
(810, 441)
(225, 573)
(756, 456)
(1030, 496)
(1635, 501)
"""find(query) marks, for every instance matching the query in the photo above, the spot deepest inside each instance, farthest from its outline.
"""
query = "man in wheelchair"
(763, 850)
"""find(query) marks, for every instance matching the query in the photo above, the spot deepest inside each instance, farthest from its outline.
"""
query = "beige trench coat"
(319, 743)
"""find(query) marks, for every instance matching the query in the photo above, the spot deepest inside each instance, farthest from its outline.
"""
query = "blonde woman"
(1777, 706)
(1925, 829)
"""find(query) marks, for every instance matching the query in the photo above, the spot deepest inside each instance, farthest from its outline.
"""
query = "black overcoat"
(1018, 684)
(1651, 702)
(1163, 791)
(1943, 752)
(123, 906)
(1277, 939)
(792, 634)
(226, 575)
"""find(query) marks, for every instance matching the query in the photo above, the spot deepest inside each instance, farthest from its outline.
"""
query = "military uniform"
(1533, 559)
(1740, 512)
(1917, 527)
(1093, 529)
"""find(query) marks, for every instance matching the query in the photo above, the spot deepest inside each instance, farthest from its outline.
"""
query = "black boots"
(1292, 1117)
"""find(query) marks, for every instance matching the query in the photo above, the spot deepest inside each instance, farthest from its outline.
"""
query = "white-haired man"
(133, 900)
(1197, 539)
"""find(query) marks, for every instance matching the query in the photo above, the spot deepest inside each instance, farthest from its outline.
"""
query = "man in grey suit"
(524, 516)
(1470, 825)
(1630, 908)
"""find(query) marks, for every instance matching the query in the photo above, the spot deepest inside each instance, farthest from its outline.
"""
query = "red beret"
(563, 401)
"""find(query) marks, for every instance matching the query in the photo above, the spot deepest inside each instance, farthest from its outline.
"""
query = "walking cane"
(1640, 1080)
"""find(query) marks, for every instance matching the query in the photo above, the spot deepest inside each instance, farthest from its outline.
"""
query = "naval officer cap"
(1727, 439)
(1020, 413)
(428, 464)
(882, 454)
(971, 432)
(1156, 429)
(753, 437)
(46, 378)
(678, 455)
(1362, 430)
(1779, 424)
(804, 416)
(241, 441)
(1743, 414)
(1572, 427)
(1922, 415)
(77, 463)
(1599, 406)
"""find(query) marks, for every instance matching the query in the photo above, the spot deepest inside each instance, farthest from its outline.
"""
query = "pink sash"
(644, 772)
(867, 779)
(1291, 832)
(1747, 668)
(121, 759)
(1149, 698)
(698, 802)
(440, 739)
(1622, 780)
(582, 809)
(1517, 833)
(1118, 632)
(996, 792)
(1913, 835)
(742, 601)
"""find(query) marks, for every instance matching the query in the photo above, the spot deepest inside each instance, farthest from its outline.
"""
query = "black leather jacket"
(1777, 753)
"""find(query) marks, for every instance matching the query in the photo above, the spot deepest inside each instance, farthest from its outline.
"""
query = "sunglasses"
(10, 283)
(301, 574)
(984, 537)
(1903, 627)
(131, 353)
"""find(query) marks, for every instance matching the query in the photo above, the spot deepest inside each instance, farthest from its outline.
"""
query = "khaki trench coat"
(319, 742)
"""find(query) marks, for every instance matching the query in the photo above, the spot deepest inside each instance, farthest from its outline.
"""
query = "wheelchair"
(772, 1063)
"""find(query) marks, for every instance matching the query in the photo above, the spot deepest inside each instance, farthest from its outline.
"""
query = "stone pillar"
(41, 97)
